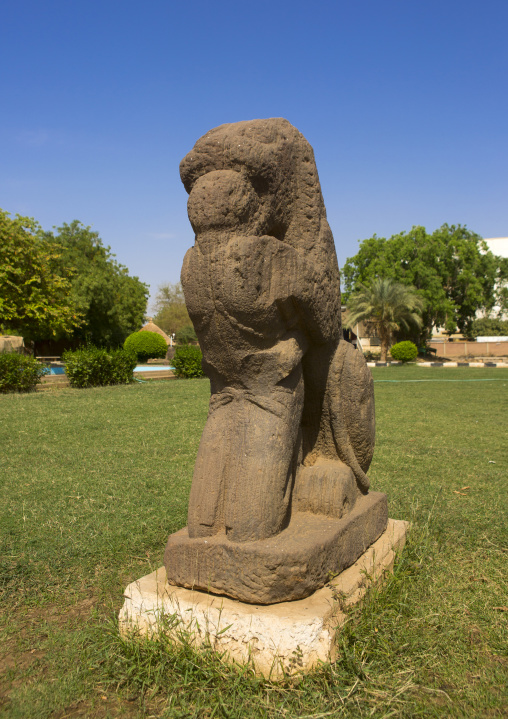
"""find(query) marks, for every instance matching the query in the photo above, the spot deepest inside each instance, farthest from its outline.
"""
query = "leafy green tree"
(389, 304)
(186, 336)
(452, 269)
(112, 302)
(170, 312)
(35, 289)
(502, 289)
(489, 327)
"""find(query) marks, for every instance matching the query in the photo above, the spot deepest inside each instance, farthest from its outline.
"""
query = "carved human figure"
(262, 289)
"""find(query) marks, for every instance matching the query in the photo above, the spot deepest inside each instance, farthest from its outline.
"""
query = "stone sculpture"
(279, 499)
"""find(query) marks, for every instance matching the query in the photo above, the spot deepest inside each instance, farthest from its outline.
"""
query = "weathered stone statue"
(279, 499)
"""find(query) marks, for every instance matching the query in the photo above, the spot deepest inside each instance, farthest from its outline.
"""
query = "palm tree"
(387, 303)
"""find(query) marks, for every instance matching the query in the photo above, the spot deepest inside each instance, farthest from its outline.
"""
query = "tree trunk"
(384, 336)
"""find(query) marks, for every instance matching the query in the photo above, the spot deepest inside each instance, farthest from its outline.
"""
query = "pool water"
(55, 370)
(153, 368)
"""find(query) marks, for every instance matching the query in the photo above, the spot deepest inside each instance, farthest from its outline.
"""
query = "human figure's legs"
(245, 466)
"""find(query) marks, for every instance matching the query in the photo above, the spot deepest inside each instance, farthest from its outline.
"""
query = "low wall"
(9, 343)
(471, 349)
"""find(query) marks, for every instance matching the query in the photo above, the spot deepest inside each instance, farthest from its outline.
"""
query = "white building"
(498, 246)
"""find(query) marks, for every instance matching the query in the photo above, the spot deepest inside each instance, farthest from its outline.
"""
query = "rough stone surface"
(288, 566)
(277, 639)
(290, 430)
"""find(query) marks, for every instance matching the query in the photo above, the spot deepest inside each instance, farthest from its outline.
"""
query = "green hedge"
(19, 373)
(94, 367)
(146, 345)
(404, 351)
(187, 362)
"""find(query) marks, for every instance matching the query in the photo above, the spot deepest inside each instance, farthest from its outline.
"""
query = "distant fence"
(471, 349)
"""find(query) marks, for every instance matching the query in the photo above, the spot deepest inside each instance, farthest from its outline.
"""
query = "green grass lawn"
(93, 481)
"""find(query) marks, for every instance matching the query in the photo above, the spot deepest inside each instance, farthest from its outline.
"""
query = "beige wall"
(474, 349)
(8, 343)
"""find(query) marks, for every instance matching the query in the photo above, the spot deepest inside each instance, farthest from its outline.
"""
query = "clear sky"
(405, 103)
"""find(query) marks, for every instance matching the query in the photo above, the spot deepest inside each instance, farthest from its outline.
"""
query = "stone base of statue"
(276, 639)
(291, 565)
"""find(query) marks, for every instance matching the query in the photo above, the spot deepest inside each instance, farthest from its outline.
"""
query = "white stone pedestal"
(277, 639)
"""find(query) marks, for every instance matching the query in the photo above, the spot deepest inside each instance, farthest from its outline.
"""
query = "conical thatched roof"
(152, 327)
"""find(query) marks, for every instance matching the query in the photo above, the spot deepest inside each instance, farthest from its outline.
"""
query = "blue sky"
(404, 102)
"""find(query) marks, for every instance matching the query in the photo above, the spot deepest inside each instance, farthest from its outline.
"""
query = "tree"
(389, 304)
(187, 336)
(112, 303)
(489, 327)
(452, 269)
(35, 290)
(170, 312)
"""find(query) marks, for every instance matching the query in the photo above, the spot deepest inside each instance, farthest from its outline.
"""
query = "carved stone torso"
(246, 293)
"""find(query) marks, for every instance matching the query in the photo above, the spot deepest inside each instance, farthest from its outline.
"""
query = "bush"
(187, 362)
(94, 367)
(186, 336)
(19, 373)
(404, 351)
(146, 345)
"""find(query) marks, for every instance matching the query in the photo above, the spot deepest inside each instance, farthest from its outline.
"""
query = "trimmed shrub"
(404, 351)
(146, 345)
(94, 367)
(19, 373)
(187, 362)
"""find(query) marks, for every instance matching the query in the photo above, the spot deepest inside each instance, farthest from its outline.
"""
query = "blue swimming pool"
(153, 368)
(55, 369)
